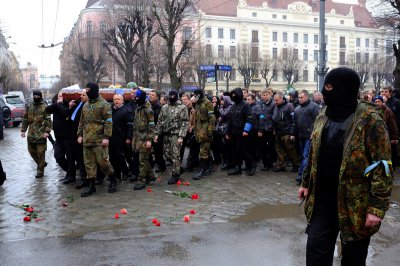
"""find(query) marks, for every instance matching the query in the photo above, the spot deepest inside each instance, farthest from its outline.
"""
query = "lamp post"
(321, 66)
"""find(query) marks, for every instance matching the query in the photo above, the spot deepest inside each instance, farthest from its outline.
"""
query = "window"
(315, 19)
(342, 42)
(358, 42)
(254, 36)
(316, 38)
(89, 28)
(305, 75)
(316, 55)
(273, 15)
(232, 34)
(284, 17)
(315, 76)
(367, 58)
(254, 14)
(232, 52)
(187, 33)
(375, 43)
(284, 53)
(342, 58)
(358, 58)
(220, 33)
(274, 53)
(342, 22)
(254, 54)
(296, 54)
(284, 37)
(305, 55)
(102, 26)
(389, 46)
(208, 33)
(366, 42)
(375, 58)
(275, 74)
(209, 50)
(220, 51)
(295, 37)
(305, 38)
(233, 74)
(274, 36)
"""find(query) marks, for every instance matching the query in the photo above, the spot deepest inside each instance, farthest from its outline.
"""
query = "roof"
(362, 17)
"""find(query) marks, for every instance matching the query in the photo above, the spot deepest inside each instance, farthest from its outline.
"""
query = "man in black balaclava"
(92, 90)
(173, 124)
(348, 178)
(37, 96)
(240, 124)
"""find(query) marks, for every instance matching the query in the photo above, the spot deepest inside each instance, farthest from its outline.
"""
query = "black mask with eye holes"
(173, 97)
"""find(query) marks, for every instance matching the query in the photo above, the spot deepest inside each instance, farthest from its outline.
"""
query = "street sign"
(224, 68)
(207, 67)
(210, 73)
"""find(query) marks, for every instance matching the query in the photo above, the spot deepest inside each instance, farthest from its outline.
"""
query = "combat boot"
(90, 190)
(209, 166)
(141, 184)
(113, 184)
(39, 175)
(173, 179)
(251, 170)
(237, 170)
(150, 179)
(202, 173)
(99, 180)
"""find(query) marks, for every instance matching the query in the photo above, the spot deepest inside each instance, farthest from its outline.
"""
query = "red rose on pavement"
(158, 224)
(155, 221)
(65, 204)
(195, 196)
(186, 183)
(178, 183)
(116, 216)
(186, 218)
(29, 209)
(27, 219)
(192, 211)
(149, 190)
(123, 211)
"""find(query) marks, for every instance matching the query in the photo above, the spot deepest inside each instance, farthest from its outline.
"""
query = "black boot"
(82, 183)
(99, 180)
(173, 179)
(203, 169)
(225, 166)
(141, 184)
(90, 190)
(209, 166)
(251, 170)
(237, 170)
(113, 184)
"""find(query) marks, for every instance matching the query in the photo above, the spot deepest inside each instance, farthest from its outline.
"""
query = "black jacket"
(304, 117)
(156, 110)
(268, 109)
(62, 125)
(240, 114)
(283, 118)
(120, 126)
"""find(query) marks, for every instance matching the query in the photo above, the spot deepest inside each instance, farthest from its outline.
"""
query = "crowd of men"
(130, 140)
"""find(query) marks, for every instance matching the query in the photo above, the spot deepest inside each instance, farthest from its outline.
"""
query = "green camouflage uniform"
(143, 131)
(94, 126)
(367, 141)
(39, 122)
(173, 123)
(204, 126)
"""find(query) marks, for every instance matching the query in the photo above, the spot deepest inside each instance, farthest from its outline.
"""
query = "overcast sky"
(22, 20)
(30, 26)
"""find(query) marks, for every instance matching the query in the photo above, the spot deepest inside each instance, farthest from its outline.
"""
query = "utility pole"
(321, 66)
(216, 78)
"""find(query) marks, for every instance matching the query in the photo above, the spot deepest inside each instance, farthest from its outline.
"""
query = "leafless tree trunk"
(247, 66)
(291, 66)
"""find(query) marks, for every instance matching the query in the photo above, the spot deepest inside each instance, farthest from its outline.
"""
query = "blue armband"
(262, 116)
(248, 127)
(373, 166)
(109, 120)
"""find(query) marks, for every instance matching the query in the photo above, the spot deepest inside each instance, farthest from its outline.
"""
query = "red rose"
(178, 183)
(187, 183)
(116, 216)
(29, 209)
(186, 218)
(155, 221)
(149, 190)
(123, 211)
(65, 204)
(158, 224)
(192, 211)
(27, 219)
(195, 196)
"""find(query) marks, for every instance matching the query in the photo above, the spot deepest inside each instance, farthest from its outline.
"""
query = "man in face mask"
(173, 124)
(39, 123)
(348, 178)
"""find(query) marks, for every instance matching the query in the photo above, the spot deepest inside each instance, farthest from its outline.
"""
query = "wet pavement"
(239, 220)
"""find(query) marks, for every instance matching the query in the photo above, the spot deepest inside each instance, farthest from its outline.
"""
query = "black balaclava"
(237, 95)
(173, 96)
(199, 93)
(140, 97)
(93, 91)
(37, 93)
(341, 101)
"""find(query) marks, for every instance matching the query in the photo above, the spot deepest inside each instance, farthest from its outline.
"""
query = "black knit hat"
(37, 93)
(93, 92)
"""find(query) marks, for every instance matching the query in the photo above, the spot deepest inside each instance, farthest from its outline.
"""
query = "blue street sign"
(207, 67)
(224, 68)
(210, 73)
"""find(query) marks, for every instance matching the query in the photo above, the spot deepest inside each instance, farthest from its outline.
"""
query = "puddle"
(269, 211)
(395, 194)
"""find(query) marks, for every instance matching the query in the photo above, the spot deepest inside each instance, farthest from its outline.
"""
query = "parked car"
(5, 116)
(17, 107)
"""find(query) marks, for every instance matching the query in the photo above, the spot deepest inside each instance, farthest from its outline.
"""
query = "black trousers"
(78, 155)
(240, 151)
(322, 233)
(266, 149)
(64, 155)
(117, 160)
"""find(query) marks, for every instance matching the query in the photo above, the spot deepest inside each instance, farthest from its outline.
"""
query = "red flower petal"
(195, 196)
(178, 183)
(29, 209)
(186, 218)
(27, 219)
(123, 211)
(149, 190)
(158, 224)
(155, 221)
(192, 211)
(65, 204)
(116, 216)
(187, 183)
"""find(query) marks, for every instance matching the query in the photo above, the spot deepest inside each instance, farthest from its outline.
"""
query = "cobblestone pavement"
(222, 198)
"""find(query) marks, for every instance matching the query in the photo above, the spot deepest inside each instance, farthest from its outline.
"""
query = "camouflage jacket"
(96, 122)
(38, 121)
(366, 142)
(204, 121)
(143, 128)
(173, 119)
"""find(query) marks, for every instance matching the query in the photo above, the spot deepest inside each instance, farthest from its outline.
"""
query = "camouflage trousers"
(38, 152)
(172, 152)
(145, 170)
(204, 149)
(94, 156)
(285, 148)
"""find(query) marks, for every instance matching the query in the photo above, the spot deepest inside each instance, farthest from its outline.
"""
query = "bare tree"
(201, 57)
(291, 65)
(171, 15)
(380, 70)
(266, 69)
(247, 64)
(360, 63)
